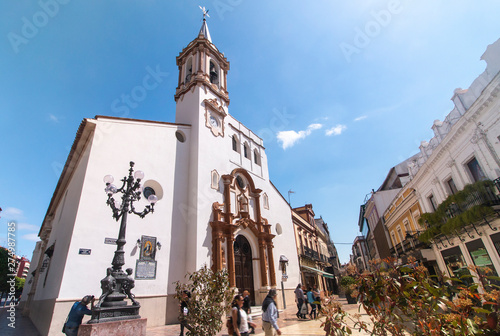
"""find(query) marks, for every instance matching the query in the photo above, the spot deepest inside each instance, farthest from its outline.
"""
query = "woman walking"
(240, 319)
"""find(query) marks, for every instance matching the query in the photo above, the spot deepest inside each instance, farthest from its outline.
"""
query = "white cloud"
(337, 130)
(360, 118)
(53, 118)
(31, 236)
(289, 138)
(25, 226)
(12, 213)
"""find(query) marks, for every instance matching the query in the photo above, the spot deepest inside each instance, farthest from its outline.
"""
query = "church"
(216, 204)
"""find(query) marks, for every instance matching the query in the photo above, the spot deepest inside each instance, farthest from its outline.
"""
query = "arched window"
(265, 201)
(256, 157)
(235, 143)
(215, 180)
(246, 150)
(214, 73)
(189, 70)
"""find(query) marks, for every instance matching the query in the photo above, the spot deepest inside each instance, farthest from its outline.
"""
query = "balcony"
(311, 254)
(460, 213)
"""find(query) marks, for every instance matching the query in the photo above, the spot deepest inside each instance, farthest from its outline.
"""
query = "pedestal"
(136, 327)
(110, 314)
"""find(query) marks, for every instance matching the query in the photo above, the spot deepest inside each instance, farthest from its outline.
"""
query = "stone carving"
(108, 285)
(127, 286)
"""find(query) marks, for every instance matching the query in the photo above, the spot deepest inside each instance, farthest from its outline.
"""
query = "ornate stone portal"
(239, 188)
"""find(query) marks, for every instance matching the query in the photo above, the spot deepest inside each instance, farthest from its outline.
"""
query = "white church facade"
(216, 204)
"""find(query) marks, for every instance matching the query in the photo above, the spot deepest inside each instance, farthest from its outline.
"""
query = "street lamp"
(117, 284)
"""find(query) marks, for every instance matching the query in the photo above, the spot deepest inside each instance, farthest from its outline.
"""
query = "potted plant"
(345, 284)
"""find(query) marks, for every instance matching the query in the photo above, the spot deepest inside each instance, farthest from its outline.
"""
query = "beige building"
(311, 249)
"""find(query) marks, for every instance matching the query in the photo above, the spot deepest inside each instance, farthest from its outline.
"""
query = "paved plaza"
(288, 322)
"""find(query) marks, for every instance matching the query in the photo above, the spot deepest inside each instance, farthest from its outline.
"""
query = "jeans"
(299, 305)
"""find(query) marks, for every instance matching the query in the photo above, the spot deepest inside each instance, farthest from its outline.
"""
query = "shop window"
(482, 260)
(456, 265)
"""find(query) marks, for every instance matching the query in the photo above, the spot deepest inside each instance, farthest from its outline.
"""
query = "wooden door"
(243, 266)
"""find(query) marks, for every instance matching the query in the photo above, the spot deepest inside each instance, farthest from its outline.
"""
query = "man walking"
(270, 314)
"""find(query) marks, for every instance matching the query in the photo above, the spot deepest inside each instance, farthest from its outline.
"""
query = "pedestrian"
(75, 316)
(240, 319)
(317, 297)
(311, 299)
(300, 299)
(270, 314)
(186, 295)
(247, 308)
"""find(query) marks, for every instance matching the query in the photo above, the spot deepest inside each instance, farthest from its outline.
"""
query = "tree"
(210, 300)
(4, 270)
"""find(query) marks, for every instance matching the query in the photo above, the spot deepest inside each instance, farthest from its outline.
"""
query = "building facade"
(216, 204)
(465, 150)
(311, 249)
(448, 178)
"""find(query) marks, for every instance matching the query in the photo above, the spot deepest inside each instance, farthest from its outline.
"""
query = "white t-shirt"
(244, 319)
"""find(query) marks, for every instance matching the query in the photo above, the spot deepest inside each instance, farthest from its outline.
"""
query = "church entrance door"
(243, 266)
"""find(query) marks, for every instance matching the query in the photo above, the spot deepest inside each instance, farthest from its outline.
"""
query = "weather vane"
(205, 12)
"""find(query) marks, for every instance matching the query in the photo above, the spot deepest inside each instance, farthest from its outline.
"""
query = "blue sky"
(339, 91)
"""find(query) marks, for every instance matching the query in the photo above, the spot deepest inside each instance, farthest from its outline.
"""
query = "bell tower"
(202, 102)
(202, 75)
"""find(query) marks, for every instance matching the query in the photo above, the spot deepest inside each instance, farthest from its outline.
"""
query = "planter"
(350, 299)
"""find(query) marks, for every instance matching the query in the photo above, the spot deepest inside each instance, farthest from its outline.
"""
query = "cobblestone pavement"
(288, 323)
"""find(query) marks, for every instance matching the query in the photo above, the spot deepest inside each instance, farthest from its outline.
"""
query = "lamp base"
(136, 327)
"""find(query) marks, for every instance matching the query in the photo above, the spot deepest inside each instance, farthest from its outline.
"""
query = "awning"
(323, 273)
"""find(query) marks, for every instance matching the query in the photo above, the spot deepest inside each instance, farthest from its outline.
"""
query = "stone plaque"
(145, 269)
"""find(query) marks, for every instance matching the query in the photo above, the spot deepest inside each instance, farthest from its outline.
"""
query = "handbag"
(303, 309)
(229, 325)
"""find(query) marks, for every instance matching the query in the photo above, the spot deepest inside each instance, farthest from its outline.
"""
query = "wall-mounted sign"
(83, 251)
(110, 241)
(145, 270)
(148, 248)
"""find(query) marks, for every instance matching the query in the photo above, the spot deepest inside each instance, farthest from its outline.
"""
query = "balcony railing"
(310, 253)
(469, 207)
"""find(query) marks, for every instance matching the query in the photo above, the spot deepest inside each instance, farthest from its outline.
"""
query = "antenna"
(290, 192)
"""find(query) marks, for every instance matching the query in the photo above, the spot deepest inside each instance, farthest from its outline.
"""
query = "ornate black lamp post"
(117, 284)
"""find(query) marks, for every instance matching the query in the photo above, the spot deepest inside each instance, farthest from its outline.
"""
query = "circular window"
(240, 181)
(180, 136)
(279, 229)
(152, 187)
(148, 191)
